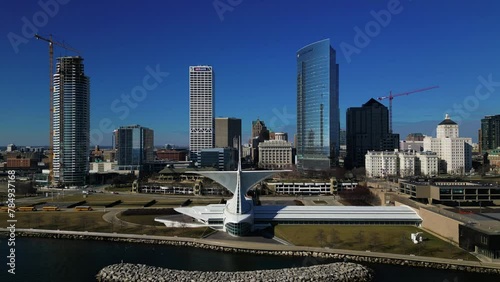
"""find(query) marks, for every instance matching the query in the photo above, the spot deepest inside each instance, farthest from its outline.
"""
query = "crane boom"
(392, 96)
(51, 91)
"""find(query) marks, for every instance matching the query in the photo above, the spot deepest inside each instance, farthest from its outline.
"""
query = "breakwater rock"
(341, 271)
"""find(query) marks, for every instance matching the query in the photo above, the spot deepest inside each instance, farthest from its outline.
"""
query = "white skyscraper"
(454, 152)
(70, 122)
(201, 109)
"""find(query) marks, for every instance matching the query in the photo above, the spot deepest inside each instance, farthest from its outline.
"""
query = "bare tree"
(360, 237)
(56, 219)
(29, 217)
(83, 221)
(334, 238)
(375, 240)
(321, 237)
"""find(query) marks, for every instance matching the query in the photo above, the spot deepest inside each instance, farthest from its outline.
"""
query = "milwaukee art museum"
(239, 216)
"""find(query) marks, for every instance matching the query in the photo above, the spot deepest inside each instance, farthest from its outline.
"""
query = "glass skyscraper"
(490, 133)
(134, 146)
(70, 122)
(318, 114)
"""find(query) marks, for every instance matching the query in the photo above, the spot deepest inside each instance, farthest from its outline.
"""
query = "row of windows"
(352, 222)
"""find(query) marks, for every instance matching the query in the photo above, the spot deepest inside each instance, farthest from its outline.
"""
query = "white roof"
(319, 213)
(336, 213)
(213, 211)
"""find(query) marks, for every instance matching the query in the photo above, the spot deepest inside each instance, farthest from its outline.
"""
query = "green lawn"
(93, 222)
(387, 239)
(147, 219)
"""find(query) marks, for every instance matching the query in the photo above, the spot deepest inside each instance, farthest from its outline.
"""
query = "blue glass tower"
(134, 146)
(318, 114)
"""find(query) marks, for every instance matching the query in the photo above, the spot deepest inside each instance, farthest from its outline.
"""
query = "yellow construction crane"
(51, 90)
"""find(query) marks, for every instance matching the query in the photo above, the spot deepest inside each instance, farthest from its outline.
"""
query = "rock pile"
(340, 271)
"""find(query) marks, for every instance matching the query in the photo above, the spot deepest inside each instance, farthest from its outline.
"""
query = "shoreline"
(316, 254)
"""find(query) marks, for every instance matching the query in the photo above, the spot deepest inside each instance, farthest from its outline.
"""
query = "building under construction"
(70, 122)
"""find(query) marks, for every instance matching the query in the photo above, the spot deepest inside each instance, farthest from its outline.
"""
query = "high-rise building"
(368, 129)
(260, 130)
(70, 122)
(134, 146)
(227, 132)
(490, 133)
(454, 152)
(201, 109)
(260, 133)
(318, 114)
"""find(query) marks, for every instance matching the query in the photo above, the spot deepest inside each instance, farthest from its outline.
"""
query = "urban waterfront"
(43, 259)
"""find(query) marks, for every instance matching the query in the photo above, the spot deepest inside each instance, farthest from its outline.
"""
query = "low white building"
(381, 163)
(403, 164)
(407, 163)
(428, 163)
(96, 167)
(275, 154)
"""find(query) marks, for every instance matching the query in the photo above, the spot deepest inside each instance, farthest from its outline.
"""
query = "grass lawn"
(92, 221)
(119, 189)
(387, 239)
(148, 219)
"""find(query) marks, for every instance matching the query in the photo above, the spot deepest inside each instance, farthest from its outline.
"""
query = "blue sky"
(252, 46)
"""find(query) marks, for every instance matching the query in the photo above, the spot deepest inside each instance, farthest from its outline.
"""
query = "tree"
(56, 219)
(375, 240)
(320, 237)
(360, 237)
(83, 221)
(334, 238)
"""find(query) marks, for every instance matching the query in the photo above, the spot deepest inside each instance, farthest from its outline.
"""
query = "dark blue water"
(75, 260)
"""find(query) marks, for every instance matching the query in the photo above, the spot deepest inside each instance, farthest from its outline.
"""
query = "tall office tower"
(490, 133)
(134, 146)
(454, 152)
(227, 132)
(70, 122)
(201, 109)
(260, 133)
(367, 130)
(318, 114)
(260, 130)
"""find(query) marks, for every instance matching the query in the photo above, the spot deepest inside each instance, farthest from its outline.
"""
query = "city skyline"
(253, 60)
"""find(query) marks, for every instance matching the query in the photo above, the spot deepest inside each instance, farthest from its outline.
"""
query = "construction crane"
(51, 90)
(392, 96)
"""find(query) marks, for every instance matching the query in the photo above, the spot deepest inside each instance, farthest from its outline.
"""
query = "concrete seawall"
(328, 272)
(314, 255)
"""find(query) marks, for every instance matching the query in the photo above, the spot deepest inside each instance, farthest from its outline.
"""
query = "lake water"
(39, 259)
